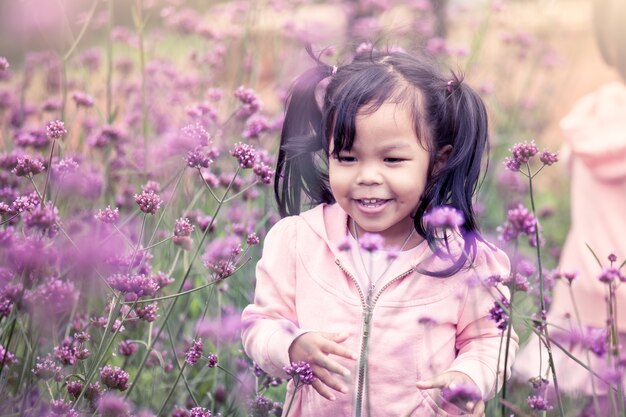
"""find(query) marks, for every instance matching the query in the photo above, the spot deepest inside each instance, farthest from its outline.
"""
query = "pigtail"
(298, 170)
(460, 121)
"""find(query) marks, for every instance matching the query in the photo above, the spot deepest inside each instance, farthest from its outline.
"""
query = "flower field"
(138, 142)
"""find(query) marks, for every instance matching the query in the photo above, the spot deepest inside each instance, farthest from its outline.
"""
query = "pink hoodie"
(420, 326)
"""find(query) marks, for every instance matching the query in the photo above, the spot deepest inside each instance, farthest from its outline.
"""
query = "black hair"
(609, 22)
(447, 115)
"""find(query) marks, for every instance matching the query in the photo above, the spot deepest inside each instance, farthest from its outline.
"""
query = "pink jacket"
(596, 143)
(304, 283)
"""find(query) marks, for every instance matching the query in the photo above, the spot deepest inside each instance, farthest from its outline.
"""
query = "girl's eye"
(394, 160)
(344, 158)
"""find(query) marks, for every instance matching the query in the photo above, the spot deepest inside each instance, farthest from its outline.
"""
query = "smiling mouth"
(371, 202)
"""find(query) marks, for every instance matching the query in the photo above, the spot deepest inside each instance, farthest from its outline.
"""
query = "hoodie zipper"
(367, 304)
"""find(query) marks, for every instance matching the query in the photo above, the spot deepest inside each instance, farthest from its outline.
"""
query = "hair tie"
(449, 86)
(333, 70)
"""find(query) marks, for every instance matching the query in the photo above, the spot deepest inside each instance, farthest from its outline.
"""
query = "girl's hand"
(315, 348)
(451, 379)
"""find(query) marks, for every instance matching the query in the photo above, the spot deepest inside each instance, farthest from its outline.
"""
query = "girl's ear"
(442, 158)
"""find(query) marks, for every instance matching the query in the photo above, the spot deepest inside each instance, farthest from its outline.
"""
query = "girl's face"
(380, 181)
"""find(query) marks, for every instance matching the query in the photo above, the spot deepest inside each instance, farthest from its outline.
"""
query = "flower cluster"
(371, 242)
(463, 396)
(245, 154)
(499, 315)
(55, 129)
(197, 158)
(108, 215)
(137, 285)
(28, 166)
(610, 275)
(114, 378)
(183, 227)
(194, 352)
(263, 407)
(148, 201)
(250, 102)
(537, 401)
(212, 360)
(47, 369)
(519, 221)
(301, 373)
(443, 216)
(6, 357)
(521, 154)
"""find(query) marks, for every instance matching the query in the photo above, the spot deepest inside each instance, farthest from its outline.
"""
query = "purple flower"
(444, 216)
(60, 408)
(245, 154)
(110, 405)
(548, 158)
(519, 220)
(499, 315)
(611, 274)
(183, 227)
(28, 166)
(44, 219)
(253, 239)
(55, 129)
(65, 352)
(255, 126)
(151, 187)
(212, 360)
(521, 154)
(6, 357)
(194, 352)
(52, 297)
(300, 372)
(138, 285)
(66, 166)
(114, 378)
(74, 388)
(371, 242)
(35, 138)
(537, 400)
(108, 215)
(262, 407)
(46, 369)
(25, 203)
(148, 312)
(82, 99)
(463, 396)
(127, 348)
(263, 171)
(198, 158)
(570, 276)
(199, 412)
(4, 64)
(148, 202)
(249, 100)
(345, 245)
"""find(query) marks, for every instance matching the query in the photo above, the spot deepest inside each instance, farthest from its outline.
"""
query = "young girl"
(383, 330)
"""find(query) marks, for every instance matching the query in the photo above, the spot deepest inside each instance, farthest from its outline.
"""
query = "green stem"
(541, 295)
(295, 389)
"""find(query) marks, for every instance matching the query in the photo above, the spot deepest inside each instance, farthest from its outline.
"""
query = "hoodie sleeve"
(478, 339)
(270, 323)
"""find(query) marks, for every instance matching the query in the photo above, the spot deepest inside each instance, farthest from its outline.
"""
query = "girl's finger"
(330, 381)
(330, 365)
(323, 390)
(337, 349)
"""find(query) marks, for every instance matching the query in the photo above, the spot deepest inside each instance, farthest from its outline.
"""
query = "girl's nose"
(369, 174)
